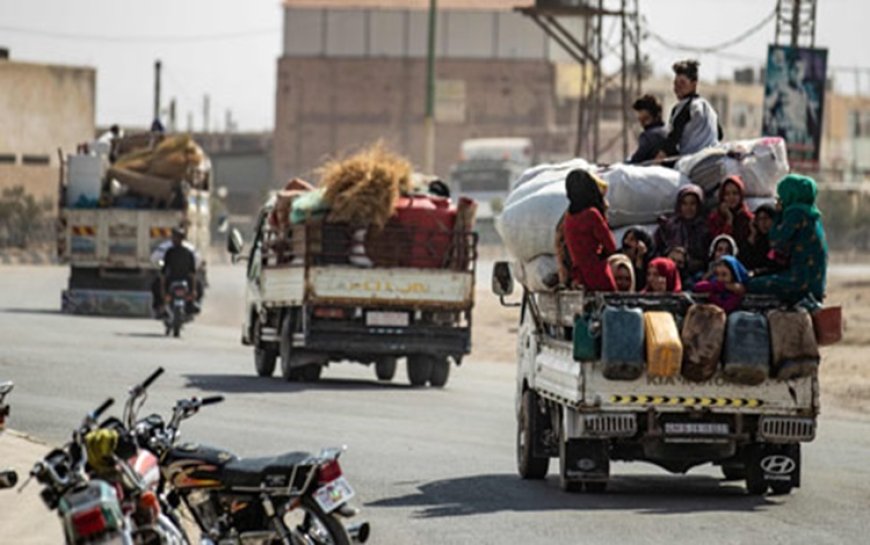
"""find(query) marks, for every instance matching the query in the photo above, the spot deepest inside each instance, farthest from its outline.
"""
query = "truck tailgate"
(115, 237)
(391, 286)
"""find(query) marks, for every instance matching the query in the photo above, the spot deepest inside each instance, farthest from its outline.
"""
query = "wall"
(328, 106)
(42, 108)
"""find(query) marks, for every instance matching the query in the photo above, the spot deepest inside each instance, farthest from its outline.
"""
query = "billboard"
(794, 97)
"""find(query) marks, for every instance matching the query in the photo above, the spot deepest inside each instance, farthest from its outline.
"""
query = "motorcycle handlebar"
(102, 408)
(152, 377)
(211, 400)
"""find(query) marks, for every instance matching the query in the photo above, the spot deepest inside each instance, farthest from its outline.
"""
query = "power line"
(713, 48)
(142, 38)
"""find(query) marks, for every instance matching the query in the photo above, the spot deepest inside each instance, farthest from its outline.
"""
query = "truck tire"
(419, 369)
(756, 485)
(286, 351)
(385, 367)
(440, 372)
(734, 472)
(528, 430)
(265, 358)
(310, 373)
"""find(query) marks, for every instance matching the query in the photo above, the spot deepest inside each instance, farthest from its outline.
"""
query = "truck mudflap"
(107, 303)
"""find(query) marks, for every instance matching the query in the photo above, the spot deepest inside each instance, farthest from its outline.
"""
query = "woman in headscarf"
(799, 235)
(623, 273)
(663, 277)
(687, 228)
(732, 216)
(587, 237)
(639, 247)
(755, 255)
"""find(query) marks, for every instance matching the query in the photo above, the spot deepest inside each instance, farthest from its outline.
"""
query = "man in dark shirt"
(179, 263)
(652, 139)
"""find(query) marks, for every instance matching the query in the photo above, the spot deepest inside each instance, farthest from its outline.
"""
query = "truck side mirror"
(235, 242)
(502, 280)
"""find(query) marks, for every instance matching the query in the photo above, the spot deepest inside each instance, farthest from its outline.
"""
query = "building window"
(7, 158)
(860, 121)
(35, 160)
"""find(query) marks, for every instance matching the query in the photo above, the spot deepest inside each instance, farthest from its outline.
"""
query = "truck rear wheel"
(440, 372)
(419, 369)
(528, 431)
(385, 367)
(265, 358)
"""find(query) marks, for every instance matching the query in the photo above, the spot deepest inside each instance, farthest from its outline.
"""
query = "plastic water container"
(793, 343)
(664, 349)
(703, 336)
(622, 343)
(84, 179)
(586, 345)
(747, 348)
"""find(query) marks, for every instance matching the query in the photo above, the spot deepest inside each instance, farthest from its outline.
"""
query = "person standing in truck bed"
(587, 237)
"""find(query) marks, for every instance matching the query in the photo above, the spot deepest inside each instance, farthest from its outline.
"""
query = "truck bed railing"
(320, 243)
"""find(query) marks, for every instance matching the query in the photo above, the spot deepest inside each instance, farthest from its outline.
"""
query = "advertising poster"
(794, 97)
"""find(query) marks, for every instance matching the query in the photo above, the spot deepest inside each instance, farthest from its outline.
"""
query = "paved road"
(430, 466)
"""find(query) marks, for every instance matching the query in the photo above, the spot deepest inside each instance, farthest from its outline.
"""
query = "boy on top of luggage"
(652, 140)
(732, 216)
(728, 284)
(694, 124)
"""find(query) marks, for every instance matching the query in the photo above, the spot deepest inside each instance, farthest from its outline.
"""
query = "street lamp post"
(429, 125)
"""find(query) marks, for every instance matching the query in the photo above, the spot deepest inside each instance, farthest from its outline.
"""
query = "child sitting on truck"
(798, 234)
(638, 245)
(623, 272)
(686, 227)
(732, 216)
(587, 237)
(728, 284)
(663, 277)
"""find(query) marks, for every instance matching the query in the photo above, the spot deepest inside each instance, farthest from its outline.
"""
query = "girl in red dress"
(587, 236)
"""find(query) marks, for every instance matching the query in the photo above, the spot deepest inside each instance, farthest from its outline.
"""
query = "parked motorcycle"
(292, 499)
(180, 307)
(90, 509)
(8, 477)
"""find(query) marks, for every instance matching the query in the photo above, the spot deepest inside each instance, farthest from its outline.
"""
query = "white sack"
(540, 176)
(639, 195)
(761, 163)
(539, 274)
(528, 226)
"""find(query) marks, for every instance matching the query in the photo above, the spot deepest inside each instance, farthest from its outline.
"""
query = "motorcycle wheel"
(176, 329)
(310, 521)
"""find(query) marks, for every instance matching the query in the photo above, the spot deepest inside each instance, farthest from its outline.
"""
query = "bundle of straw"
(363, 189)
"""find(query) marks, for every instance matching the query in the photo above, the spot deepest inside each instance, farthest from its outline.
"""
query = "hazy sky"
(238, 68)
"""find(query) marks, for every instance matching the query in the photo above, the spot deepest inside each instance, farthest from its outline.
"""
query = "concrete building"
(43, 108)
(354, 71)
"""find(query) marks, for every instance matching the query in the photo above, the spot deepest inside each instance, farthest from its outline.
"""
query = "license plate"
(695, 428)
(391, 319)
(332, 495)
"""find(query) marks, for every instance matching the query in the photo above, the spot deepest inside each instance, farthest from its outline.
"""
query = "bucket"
(828, 325)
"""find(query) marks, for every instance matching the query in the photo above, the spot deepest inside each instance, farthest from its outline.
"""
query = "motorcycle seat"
(272, 471)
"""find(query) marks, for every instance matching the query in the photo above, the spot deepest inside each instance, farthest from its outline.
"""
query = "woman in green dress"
(799, 237)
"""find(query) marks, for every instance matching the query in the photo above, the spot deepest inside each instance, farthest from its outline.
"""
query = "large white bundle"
(540, 176)
(761, 163)
(528, 226)
(639, 194)
(539, 274)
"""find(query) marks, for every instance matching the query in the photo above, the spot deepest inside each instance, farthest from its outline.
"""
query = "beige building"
(353, 71)
(42, 108)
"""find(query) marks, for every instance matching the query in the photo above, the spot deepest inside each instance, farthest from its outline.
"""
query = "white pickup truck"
(567, 409)
(308, 304)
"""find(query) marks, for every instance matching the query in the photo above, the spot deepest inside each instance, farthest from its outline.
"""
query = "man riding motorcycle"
(179, 264)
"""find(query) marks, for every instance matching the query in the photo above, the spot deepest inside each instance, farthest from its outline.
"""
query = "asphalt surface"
(429, 466)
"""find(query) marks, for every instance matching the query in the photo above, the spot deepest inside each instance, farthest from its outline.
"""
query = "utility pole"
(429, 123)
(157, 90)
(206, 112)
(172, 112)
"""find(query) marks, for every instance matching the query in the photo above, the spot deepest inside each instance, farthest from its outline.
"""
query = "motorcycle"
(292, 499)
(180, 307)
(90, 509)
(8, 477)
